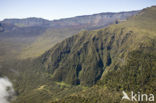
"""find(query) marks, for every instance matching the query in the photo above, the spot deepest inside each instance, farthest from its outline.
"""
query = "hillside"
(64, 28)
(90, 53)
(13, 39)
(118, 57)
(92, 66)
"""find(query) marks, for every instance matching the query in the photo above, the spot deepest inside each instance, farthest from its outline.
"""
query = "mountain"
(93, 21)
(36, 35)
(64, 28)
(91, 66)
(27, 22)
(88, 21)
(84, 58)
(13, 39)
(118, 57)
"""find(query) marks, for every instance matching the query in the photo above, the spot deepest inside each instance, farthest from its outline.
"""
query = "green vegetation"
(92, 66)
(84, 58)
(137, 75)
(121, 55)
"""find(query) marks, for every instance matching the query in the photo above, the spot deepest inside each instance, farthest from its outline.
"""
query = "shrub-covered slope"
(87, 57)
(127, 60)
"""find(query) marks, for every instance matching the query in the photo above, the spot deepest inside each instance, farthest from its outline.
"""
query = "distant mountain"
(13, 39)
(88, 21)
(93, 21)
(36, 35)
(27, 22)
(13, 31)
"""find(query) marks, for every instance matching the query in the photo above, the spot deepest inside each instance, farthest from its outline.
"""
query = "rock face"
(93, 21)
(87, 21)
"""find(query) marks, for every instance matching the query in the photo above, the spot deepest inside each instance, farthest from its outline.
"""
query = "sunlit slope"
(46, 41)
(60, 29)
(86, 57)
(125, 53)
(13, 39)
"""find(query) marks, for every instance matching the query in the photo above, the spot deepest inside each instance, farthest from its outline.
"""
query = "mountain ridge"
(89, 53)
(91, 66)
(41, 21)
(42, 34)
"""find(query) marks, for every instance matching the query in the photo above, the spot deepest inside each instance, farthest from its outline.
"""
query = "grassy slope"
(46, 41)
(13, 39)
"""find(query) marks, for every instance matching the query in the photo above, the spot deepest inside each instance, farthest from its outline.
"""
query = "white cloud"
(6, 90)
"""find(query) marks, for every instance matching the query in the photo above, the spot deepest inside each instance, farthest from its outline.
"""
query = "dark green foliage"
(97, 50)
(33, 84)
(127, 56)
(75, 60)
(137, 75)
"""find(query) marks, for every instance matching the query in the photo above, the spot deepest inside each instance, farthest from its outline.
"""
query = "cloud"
(6, 90)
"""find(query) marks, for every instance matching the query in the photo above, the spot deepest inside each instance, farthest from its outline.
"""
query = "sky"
(56, 9)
